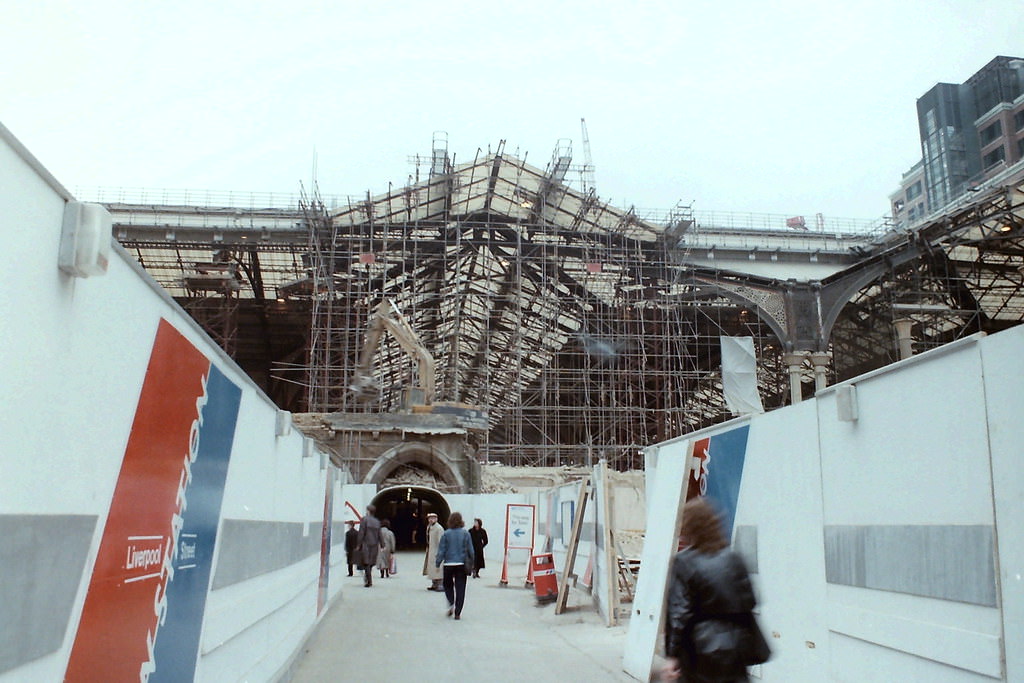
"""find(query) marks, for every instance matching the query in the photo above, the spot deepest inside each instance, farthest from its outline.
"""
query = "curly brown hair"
(702, 527)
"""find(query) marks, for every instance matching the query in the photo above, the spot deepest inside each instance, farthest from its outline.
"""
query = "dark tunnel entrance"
(406, 508)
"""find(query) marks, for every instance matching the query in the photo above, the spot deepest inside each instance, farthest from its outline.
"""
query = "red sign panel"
(153, 564)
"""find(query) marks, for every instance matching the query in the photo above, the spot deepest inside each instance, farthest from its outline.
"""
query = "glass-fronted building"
(970, 132)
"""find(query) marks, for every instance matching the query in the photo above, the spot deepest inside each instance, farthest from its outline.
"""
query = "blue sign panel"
(177, 641)
(720, 471)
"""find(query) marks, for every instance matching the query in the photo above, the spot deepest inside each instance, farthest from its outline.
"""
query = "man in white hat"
(434, 533)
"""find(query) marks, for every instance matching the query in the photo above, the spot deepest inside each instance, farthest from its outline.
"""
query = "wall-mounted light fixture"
(283, 423)
(86, 233)
(846, 403)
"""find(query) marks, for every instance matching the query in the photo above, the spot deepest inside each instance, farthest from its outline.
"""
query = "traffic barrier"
(545, 583)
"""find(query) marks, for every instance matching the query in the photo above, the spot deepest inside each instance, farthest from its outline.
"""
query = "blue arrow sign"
(519, 525)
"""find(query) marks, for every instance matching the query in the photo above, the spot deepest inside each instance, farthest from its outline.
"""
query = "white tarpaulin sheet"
(739, 376)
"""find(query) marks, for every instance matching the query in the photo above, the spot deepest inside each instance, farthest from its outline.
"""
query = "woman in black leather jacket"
(707, 634)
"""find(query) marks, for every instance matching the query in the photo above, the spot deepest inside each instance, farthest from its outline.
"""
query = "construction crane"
(587, 171)
(387, 317)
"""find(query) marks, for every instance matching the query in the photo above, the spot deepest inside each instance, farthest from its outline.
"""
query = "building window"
(993, 157)
(1018, 120)
(914, 191)
(990, 133)
(915, 213)
(1020, 148)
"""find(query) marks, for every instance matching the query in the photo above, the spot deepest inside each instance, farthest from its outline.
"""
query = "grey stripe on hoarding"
(338, 530)
(251, 548)
(949, 562)
(41, 562)
(745, 543)
(586, 533)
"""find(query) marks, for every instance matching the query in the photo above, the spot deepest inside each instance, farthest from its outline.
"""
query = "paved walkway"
(397, 630)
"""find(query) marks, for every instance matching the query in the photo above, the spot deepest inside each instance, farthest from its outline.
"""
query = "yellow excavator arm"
(387, 317)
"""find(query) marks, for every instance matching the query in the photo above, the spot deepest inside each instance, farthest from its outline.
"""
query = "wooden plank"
(625, 572)
(573, 546)
(611, 564)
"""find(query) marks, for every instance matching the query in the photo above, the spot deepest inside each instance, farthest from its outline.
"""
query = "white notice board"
(519, 521)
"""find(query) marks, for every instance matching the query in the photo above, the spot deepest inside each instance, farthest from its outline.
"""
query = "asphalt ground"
(398, 631)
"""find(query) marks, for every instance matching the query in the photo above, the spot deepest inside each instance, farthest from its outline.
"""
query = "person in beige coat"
(387, 549)
(434, 533)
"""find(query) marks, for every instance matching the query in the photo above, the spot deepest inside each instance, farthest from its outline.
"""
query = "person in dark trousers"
(432, 536)
(387, 549)
(479, 537)
(369, 543)
(711, 635)
(455, 555)
(351, 545)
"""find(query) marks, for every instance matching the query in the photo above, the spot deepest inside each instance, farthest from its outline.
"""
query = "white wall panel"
(908, 491)
(908, 632)
(781, 496)
(917, 454)
(490, 508)
(83, 346)
(1003, 368)
(858, 661)
(914, 466)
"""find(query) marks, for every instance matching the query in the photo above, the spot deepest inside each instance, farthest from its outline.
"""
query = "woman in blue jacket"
(455, 554)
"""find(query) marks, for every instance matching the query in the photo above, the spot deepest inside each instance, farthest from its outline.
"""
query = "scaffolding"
(571, 322)
(212, 300)
(960, 274)
(585, 331)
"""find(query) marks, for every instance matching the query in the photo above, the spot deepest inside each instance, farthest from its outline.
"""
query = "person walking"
(479, 537)
(387, 548)
(433, 534)
(369, 543)
(455, 554)
(711, 635)
(352, 546)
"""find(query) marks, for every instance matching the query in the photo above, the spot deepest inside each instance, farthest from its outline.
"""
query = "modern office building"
(970, 132)
(909, 203)
(998, 91)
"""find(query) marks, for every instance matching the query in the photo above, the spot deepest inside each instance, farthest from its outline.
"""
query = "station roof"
(524, 287)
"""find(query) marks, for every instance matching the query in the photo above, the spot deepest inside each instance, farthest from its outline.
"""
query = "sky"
(785, 107)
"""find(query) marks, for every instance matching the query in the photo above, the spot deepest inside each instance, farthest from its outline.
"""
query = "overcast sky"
(736, 105)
